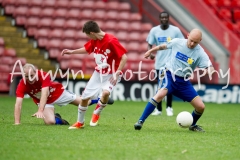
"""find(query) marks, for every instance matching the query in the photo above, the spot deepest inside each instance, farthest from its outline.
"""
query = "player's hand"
(147, 54)
(66, 51)
(38, 115)
(152, 57)
(113, 80)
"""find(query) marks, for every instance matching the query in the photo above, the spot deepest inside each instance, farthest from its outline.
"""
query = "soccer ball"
(184, 119)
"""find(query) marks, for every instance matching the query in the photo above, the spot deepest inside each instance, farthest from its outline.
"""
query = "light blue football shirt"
(157, 36)
(183, 60)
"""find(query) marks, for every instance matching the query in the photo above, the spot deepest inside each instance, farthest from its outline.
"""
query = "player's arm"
(154, 49)
(122, 63)
(76, 51)
(43, 101)
(151, 55)
(17, 110)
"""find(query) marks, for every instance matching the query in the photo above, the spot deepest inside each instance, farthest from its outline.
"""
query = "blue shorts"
(179, 88)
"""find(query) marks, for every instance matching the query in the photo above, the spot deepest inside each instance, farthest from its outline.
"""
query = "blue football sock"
(196, 115)
(58, 121)
(151, 105)
(94, 101)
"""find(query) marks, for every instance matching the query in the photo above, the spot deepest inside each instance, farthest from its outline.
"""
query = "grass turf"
(115, 138)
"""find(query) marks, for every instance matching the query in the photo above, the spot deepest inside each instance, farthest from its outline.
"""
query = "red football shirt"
(107, 53)
(34, 90)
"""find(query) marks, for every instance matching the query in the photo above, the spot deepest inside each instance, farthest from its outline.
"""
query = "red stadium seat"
(2, 50)
(110, 25)
(124, 16)
(69, 33)
(31, 31)
(42, 42)
(34, 11)
(112, 15)
(133, 47)
(47, 12)
(9, 9)
(225, 14)
(122, 36)
(45, 22)
(60, 13)
(53, 43)
(56, 33)
(54, 53)
(75, 4)
(62, 4)
(10, 52)
(22, 60)
(135, 26)
(99, 14)
(236, 14)
(22, 2)
(71, 24)
(112, 5)
(135, 17)
(21, 20)
(74, 13)
(58, 23)
(122, 26)
(86, 14)
(101, 5)
(4, 68)
(42, 32)
(79, 43)
(21, 10)
(235, 4)
(67, 43)
(224, 3)
(6, 60)
(146, 27)
(2, 41)
(32, 22)
(124, 6)
(35, 3)
(135, 36)
(64, 64)
(87, 5)
(47, 3)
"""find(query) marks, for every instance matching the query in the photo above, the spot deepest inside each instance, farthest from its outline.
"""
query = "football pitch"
(115, 138)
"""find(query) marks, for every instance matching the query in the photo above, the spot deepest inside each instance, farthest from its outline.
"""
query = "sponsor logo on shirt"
(164, 39)
(184, 58)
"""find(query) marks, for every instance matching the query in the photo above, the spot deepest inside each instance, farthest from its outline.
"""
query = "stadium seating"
(57, 24)
(228, 11)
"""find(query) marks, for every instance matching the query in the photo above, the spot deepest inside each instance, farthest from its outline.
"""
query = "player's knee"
(105, 93)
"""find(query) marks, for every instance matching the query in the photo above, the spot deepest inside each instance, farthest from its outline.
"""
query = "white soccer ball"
(184, 119)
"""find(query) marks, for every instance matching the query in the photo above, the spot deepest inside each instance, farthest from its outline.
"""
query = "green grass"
(115, 137)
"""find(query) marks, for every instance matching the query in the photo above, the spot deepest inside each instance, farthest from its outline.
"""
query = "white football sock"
(81, 113)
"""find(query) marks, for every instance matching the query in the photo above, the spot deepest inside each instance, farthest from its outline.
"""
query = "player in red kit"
(110, 57)
(45, 93)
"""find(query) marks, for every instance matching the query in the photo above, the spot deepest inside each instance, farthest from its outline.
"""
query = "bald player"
(185, 56)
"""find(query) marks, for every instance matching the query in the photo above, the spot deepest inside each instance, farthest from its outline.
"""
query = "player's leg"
(158, 109)
(91, 89)
(199, 106)
(187, 93)
(166, 87)
(169, 108)
(107, 88)
(49, 118)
